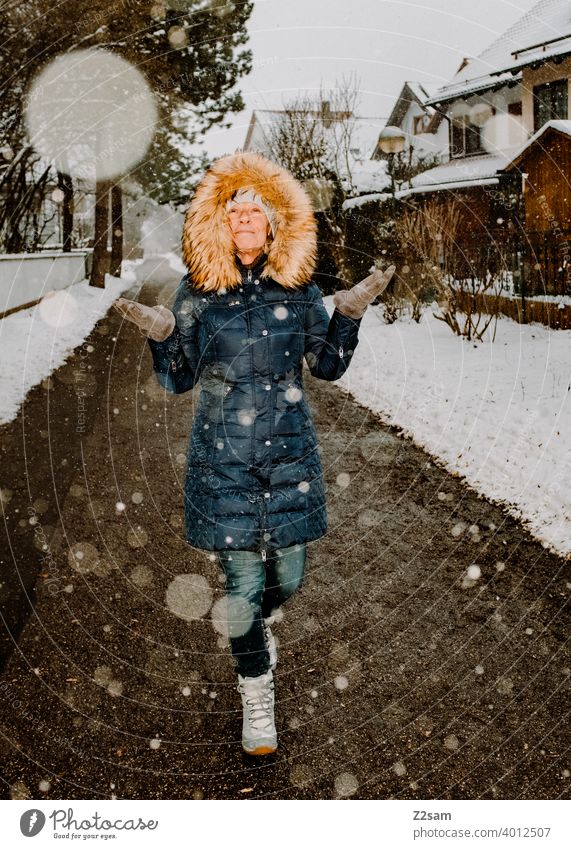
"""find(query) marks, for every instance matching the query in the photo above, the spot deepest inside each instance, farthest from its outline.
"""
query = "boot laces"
(259, 706)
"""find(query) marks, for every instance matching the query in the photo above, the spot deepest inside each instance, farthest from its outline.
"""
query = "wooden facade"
(547, 184)
(545, 170)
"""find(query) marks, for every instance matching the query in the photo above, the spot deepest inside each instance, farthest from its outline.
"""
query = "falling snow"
(293, 393)
(189, 596)
(474, 572)
(346, 784)
(451, 742)
(232, 616)
(137, 537)
(142, 575)
(369, 518)
(300, 775)
(504, 686)
(124, 115)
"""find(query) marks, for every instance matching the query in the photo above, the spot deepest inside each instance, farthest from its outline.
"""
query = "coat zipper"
(261, 498)
(264, 522)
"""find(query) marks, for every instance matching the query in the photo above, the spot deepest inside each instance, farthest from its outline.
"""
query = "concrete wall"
(25, 278)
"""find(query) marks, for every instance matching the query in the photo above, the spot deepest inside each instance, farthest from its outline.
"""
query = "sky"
(301, 45)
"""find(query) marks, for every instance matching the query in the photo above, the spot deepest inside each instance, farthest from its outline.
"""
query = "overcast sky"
(299, 45)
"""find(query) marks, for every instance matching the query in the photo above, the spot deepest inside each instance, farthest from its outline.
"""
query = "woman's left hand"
(354, 302)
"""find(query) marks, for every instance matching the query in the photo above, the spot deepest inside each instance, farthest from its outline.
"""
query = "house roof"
(550, 126)
(542, 33)
(453, 185)
(365, 130)
(465, 170)
(411, 92)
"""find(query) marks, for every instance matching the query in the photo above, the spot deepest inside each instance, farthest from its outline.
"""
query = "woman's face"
(248, 225)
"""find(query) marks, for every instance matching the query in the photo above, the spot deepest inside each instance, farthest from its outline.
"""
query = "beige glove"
(156, 322)
(353, 302)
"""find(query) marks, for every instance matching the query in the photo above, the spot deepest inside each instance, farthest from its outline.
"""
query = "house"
(425, 127)
(359, 135)
(544, 164)
(505, 109)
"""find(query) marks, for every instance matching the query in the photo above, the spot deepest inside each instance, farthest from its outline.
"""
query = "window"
(549, 102)
(514, 108)
(420, 124)
(465, 137)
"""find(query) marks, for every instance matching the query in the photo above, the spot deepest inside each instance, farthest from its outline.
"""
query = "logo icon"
(32, 822)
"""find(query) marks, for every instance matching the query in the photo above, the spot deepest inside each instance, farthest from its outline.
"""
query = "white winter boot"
(259, 736)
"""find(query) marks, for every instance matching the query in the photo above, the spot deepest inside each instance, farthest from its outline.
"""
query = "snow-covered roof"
(370, 175)
(542, 33)
(468, 169)
(364, 131)
(410, 92)
(482, 83)
(555, 124)
(419, 90)
(453, 185)
(353, 203)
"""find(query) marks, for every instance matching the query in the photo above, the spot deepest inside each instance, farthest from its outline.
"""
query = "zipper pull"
(340, 351)
(249, 276)
(264, 554)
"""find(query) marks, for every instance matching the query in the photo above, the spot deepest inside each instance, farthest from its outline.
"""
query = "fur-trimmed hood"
(207, 246)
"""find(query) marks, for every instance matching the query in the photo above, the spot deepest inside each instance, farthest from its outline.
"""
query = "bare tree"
(466, 282)
(314, 142)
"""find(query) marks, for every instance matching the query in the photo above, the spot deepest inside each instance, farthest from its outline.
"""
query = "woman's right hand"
(156, 322)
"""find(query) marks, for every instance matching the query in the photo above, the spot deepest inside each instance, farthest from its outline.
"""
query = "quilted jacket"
(254, 479)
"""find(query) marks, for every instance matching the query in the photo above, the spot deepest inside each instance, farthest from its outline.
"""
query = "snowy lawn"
(498, 413)
(36, 341)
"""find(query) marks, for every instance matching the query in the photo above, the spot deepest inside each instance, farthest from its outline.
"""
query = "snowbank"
(497, 413)
(38, 340)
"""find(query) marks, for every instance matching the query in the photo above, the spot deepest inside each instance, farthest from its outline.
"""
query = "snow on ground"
(498, 413)
(36, 341)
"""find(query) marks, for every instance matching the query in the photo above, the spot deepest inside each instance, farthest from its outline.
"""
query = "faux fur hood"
(207, 246)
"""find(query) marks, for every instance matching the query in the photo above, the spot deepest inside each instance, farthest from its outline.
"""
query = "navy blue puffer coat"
(254, 478)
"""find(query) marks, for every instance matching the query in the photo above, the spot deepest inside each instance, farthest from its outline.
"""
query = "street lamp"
(391, 141)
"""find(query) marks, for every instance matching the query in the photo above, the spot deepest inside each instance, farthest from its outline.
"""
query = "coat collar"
(255, 267)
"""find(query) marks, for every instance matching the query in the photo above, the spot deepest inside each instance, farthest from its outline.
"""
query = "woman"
(242, 321)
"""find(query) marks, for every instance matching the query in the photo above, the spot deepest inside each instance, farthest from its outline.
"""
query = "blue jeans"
(254, 589)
